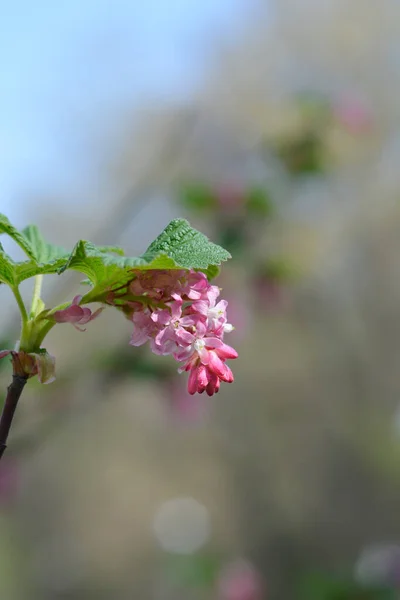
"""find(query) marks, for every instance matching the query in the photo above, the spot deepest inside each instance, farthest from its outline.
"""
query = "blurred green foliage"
(302, 156)
(318, 586)
(196, 571)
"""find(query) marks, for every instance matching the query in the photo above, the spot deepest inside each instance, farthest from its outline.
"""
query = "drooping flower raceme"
(160, 303)
(178, 312)
(179, 315)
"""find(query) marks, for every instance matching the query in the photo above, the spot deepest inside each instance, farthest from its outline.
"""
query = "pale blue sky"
(64, 65)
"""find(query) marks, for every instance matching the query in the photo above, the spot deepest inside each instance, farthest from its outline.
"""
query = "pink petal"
(167, 347)
(97, 313)
(221, 306)
(223, 350)
(160, 337)
(201, 306)
(163, 317)
(192, 381)
(213, 384)
(201, 329)
(176, 309)
(202, 379)
(69, 315)
(228, 376)
(226, 351)
(194, 294)
(216, 365)
(213, 342)
(212, 294)
(185, 354)
(188, 321)
(139, 337)
(86, 316)
(184, 336)
(204, 356)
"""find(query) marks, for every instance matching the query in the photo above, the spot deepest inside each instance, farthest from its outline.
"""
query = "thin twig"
(14, 392)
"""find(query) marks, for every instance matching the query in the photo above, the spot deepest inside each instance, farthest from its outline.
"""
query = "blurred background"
(274, 127)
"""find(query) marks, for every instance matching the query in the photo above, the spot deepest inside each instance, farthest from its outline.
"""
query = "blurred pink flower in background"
(185, 408)
(353, 114)
(272, 295)
(230, 196)
(240, 581)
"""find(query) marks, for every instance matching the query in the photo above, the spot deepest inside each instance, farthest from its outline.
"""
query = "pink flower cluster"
(178, 313)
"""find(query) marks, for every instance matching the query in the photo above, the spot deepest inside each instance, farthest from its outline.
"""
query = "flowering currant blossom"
(172, 334)
(204, 358)
(75, 314)
(179, 315)
(215, 314)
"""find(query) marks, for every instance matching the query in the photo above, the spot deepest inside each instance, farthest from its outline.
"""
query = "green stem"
(36, 294)
(21, 305)
(43, 332)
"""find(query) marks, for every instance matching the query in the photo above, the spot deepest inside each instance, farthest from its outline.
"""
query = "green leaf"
(101, 268)
(45, 258)
(17, 236)
(7, 268)
(178, 246)
(211, 272)
(43, 252)
(186, 246)
(111, 250)
(25, 270)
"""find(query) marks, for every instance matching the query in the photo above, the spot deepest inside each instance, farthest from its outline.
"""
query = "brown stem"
(14, 392)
